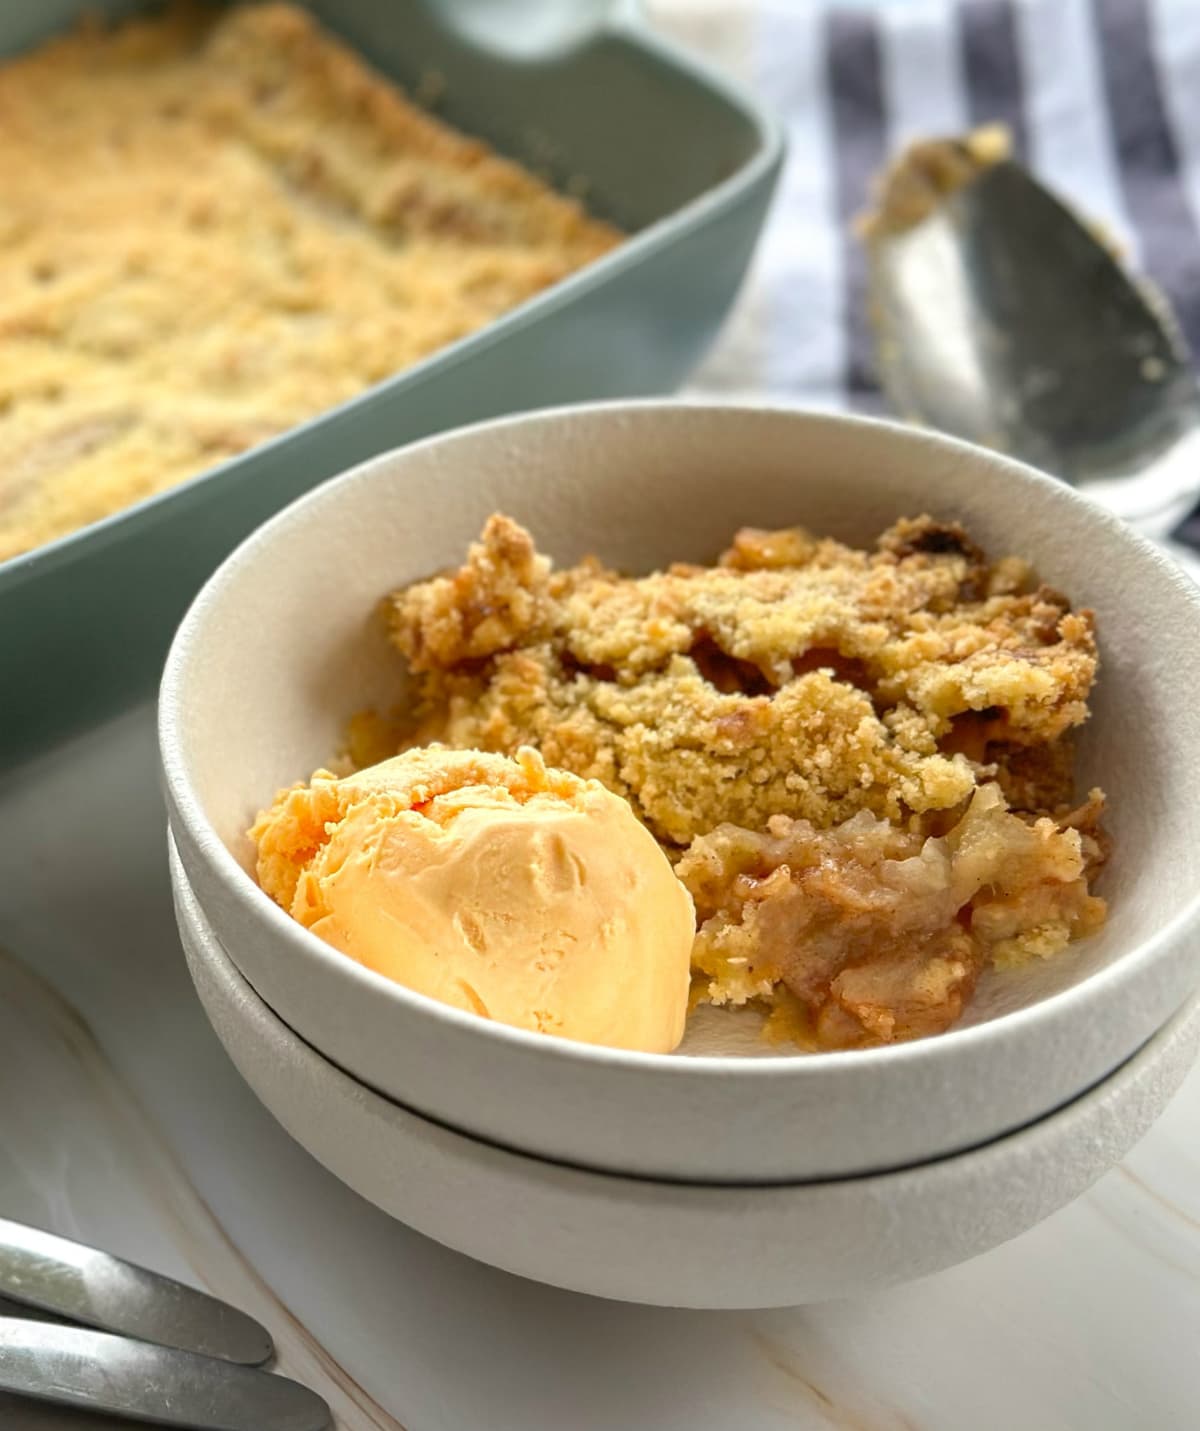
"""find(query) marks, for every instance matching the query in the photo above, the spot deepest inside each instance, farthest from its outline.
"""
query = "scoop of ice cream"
(522, 894)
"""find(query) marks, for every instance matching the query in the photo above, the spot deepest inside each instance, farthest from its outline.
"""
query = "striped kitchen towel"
(1102, 98)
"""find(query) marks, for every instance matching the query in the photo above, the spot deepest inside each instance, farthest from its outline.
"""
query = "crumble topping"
(216, 222)
(860, 759)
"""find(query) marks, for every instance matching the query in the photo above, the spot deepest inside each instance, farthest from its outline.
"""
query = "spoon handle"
(72, 1366)
(79, 1284)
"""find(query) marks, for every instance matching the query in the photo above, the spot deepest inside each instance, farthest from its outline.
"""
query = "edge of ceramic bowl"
(611, 1207)
(241, 887)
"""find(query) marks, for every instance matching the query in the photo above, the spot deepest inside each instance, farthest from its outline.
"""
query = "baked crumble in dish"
(215, 223)
(859, 761)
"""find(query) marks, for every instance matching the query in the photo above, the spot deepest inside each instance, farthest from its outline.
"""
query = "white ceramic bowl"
(677, 1244)
(282, 646)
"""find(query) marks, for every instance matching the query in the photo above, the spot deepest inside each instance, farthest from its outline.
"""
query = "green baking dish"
(677, 157)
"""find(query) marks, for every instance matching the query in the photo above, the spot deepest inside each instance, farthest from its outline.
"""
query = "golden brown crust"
(496, 601)
(801, 677)
(213, 225)
(861, 758)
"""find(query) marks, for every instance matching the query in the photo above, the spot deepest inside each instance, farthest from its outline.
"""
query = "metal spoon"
(179, 1357)
(1001, 318)
(66, 1280)
(533, 29)
(98, 1372)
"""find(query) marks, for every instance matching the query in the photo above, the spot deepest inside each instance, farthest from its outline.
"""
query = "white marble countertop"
(122, 1122)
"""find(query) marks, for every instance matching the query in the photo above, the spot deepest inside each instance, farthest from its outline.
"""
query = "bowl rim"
(239, 886)
(214, 953)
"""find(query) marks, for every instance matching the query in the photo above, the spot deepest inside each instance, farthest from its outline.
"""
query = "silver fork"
(81, 1328)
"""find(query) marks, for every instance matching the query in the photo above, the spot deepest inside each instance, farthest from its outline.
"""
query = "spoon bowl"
(1003, 319)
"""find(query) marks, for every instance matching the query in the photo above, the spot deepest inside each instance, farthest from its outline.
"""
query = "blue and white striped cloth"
(1102, 97)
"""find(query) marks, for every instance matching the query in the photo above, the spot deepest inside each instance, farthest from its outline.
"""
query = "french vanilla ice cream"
(493, 884)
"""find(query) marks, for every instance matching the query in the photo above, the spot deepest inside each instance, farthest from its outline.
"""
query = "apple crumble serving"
(216, 222)
(860, 761)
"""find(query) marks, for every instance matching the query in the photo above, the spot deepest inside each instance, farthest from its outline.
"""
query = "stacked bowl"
(722, 1175)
